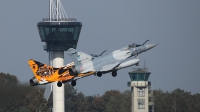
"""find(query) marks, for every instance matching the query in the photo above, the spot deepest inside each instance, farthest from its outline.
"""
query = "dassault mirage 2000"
(84, 65)
(101, 64)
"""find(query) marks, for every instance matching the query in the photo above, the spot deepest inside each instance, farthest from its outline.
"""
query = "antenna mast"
(144, 64)
(56, 11)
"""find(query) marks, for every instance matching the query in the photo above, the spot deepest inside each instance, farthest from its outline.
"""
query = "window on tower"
(141, 103)
(141, 92)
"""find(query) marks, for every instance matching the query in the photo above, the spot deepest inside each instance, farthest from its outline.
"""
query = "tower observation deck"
(59, 35)
(58, 31)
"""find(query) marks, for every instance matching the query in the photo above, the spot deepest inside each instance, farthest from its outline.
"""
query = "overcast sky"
(110, 25)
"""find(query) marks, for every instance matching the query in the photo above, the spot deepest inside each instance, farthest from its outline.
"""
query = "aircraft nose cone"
(149, 46)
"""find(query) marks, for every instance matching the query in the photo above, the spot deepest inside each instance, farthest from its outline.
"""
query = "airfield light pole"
(59, 33)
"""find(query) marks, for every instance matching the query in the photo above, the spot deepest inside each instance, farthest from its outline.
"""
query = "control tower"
(142, 95)
(59, 34)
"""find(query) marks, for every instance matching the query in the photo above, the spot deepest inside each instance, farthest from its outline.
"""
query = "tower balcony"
(138, 84)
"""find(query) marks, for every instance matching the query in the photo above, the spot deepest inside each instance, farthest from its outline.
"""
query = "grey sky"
(110, 25)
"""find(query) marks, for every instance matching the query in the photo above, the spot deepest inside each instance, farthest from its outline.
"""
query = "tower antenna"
(57, 12)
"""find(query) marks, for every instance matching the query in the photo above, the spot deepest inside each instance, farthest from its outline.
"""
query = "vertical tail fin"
(79, 57)
(38, 69)
(73, 53)
(34, 65)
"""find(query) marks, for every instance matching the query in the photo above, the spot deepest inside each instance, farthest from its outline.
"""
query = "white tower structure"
(57, 60)
(142, 95)
(59, 33)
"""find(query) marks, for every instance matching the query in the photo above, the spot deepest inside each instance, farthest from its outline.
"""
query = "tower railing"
(59, 19)
(138, 83)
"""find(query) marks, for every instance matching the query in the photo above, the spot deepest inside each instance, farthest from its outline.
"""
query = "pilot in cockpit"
(131, 45)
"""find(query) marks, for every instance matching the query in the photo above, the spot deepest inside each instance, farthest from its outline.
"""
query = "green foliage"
(176, 101)
(8, 79)
(28, 101)
(16, 97)
(111, 101)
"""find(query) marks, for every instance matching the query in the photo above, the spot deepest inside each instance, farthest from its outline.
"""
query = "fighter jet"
(101, 64)
(84, 65)
(44, 74)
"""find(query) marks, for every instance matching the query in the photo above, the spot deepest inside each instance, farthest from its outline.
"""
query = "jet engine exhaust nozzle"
(33, 82)
(73, 71)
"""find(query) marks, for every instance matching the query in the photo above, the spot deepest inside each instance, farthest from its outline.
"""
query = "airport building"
(142, 93)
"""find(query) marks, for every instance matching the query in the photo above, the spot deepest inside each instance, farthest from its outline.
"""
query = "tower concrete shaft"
(57, 60)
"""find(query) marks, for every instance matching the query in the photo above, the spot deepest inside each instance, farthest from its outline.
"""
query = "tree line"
(20, 97)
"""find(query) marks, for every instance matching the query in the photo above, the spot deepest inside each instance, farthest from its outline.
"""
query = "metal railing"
(59, 19)
(138, 84)
(145, 69)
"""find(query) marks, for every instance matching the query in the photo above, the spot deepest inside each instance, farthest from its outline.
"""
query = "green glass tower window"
(59, 36)
(56, 33)
(139, 76)
(41, 32)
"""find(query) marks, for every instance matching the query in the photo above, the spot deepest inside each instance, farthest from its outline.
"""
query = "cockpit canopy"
(133, 45)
